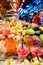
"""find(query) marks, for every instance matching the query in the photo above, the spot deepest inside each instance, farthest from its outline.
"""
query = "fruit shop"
(21, 32)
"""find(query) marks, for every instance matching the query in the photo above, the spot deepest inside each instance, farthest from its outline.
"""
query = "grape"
(37, 43)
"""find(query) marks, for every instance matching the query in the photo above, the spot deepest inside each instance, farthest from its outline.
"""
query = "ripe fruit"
(5, 32)
(30, 32)
(41, 28)
(36, 41)
(24, 32)
(36, 51)
(41, 38)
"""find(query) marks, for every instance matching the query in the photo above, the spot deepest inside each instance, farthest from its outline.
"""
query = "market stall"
(21, 41)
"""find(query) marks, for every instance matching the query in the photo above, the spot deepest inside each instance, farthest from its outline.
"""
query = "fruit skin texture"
(41, 38)
(10, 46)
(24, 32)
(41, 28)
(5, 32)
(30, 32)
(36, 51)
(18, 26)
(36, 41)
(22, 52)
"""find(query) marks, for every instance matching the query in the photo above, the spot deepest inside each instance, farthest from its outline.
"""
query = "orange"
(10, 46)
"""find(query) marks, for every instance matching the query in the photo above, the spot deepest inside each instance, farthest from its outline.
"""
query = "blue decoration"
(28, 7)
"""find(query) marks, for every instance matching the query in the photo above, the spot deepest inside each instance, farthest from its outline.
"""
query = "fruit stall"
(21, 43)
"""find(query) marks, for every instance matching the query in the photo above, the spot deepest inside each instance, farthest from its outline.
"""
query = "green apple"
(41, 37)
(30, 32)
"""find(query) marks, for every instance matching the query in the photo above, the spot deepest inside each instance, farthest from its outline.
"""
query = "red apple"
(36, 51)
(5, 32)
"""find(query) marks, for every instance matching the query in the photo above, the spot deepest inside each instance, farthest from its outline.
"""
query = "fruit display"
(23, 41)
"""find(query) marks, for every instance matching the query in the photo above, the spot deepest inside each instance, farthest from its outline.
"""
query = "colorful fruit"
(10, 46)
(41, 28)
(24, 32)
(18, 26)
(41, 37)
(5, 32)
(30, 32)
(36, 41)
(36, 51)
(22, 52)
